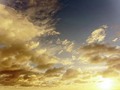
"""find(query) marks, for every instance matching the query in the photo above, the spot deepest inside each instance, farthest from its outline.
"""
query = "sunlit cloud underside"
(30, 57)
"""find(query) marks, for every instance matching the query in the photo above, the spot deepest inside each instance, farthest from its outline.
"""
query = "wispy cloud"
(98, 35)
(27, 60)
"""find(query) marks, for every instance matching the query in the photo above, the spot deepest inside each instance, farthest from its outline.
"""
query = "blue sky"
(78, 18)
(33, 54)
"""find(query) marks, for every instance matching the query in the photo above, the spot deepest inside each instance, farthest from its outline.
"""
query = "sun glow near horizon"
(34, 57)
(106, 84)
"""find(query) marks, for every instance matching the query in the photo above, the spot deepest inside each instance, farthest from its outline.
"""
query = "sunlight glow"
(106, 84)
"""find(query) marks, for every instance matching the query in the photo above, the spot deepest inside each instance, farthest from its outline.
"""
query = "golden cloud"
(27, 61)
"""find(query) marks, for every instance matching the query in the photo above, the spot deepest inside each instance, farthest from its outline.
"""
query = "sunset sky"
(59, 44)
(81, 17)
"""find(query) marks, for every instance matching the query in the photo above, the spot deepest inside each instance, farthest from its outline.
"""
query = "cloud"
(98, 35)
(104, 54)
(109, 73)
(70, 74)
(115, 39)
(22, 59)
(54, 71)
(97, 53)
(27, 58)
(67, 45)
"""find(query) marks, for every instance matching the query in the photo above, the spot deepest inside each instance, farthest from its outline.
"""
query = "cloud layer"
(21, 57)
(29, 58)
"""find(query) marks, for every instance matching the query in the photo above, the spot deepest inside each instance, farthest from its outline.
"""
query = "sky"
(59, 44)
(81, 17)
